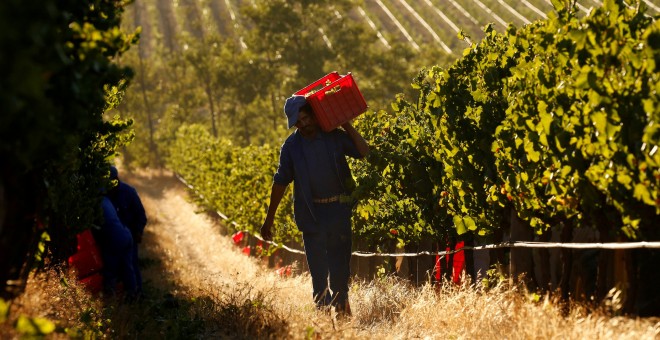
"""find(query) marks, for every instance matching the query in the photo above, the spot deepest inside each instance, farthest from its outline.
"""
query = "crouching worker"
(116, 245)
(131, 213)
(315, 161)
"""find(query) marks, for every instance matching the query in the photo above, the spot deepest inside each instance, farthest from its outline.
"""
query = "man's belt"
(326, 200)
(336, 198)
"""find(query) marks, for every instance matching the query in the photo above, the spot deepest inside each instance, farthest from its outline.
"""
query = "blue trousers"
(118, 267)
(116, 243)
(329, 256)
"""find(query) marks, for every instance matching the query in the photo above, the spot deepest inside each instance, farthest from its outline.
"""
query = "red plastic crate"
(87, 260)
(335, 99)
(86, 241)
(93, 283)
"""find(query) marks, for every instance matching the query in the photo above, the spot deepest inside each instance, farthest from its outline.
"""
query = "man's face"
(306, 124)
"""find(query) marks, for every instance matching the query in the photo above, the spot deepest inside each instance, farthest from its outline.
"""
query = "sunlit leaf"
(459, 225)
(469, 223)
(4, 310)
(641, 192)
(34, 326)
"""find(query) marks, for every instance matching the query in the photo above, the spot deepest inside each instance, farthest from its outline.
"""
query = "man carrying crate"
(315, 161)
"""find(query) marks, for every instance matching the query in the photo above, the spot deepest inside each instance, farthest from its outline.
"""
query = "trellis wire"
(509, 244)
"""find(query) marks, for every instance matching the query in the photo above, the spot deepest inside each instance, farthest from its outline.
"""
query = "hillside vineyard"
(414, 22)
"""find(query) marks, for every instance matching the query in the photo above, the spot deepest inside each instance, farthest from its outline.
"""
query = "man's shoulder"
(294, 137)
(127, 188)
(106, 202)
(334, 135)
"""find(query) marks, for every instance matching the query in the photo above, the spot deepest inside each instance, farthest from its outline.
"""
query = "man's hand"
(266, 232)
(356, 137)
(276, 194)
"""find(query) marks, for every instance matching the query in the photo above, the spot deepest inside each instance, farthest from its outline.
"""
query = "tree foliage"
(555, 120)
(237, 84)
(58, 78)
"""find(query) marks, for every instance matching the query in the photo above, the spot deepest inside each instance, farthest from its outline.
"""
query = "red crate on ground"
(93, 283)
(87, 260)
(335, 99)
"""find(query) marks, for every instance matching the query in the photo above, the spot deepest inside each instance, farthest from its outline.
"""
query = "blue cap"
(292, 108)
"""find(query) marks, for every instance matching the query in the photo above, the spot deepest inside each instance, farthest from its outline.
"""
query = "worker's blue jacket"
(294, 168)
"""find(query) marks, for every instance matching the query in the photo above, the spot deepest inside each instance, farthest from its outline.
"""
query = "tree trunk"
(147, 107)
(542, 260)
(498, 256)
(625, 276)
(566, 261)
(648, 280)
(469, 258)
(481, 259)
(417, 266)
(424, 264)
(585, 265)
(19, 202)
(521, 265)
(604, 279)
(209, 96)
(273, 102)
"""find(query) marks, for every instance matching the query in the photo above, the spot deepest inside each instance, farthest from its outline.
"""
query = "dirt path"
(188, 242)
(185, 250)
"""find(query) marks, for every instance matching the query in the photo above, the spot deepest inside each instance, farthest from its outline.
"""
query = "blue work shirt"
(331, 169)
(129, 208)
(323, 182)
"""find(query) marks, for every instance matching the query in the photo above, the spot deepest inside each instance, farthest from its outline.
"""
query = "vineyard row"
(415, 22)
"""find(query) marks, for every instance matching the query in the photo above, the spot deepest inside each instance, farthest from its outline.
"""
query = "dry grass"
(199, 285)
(55, 296)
